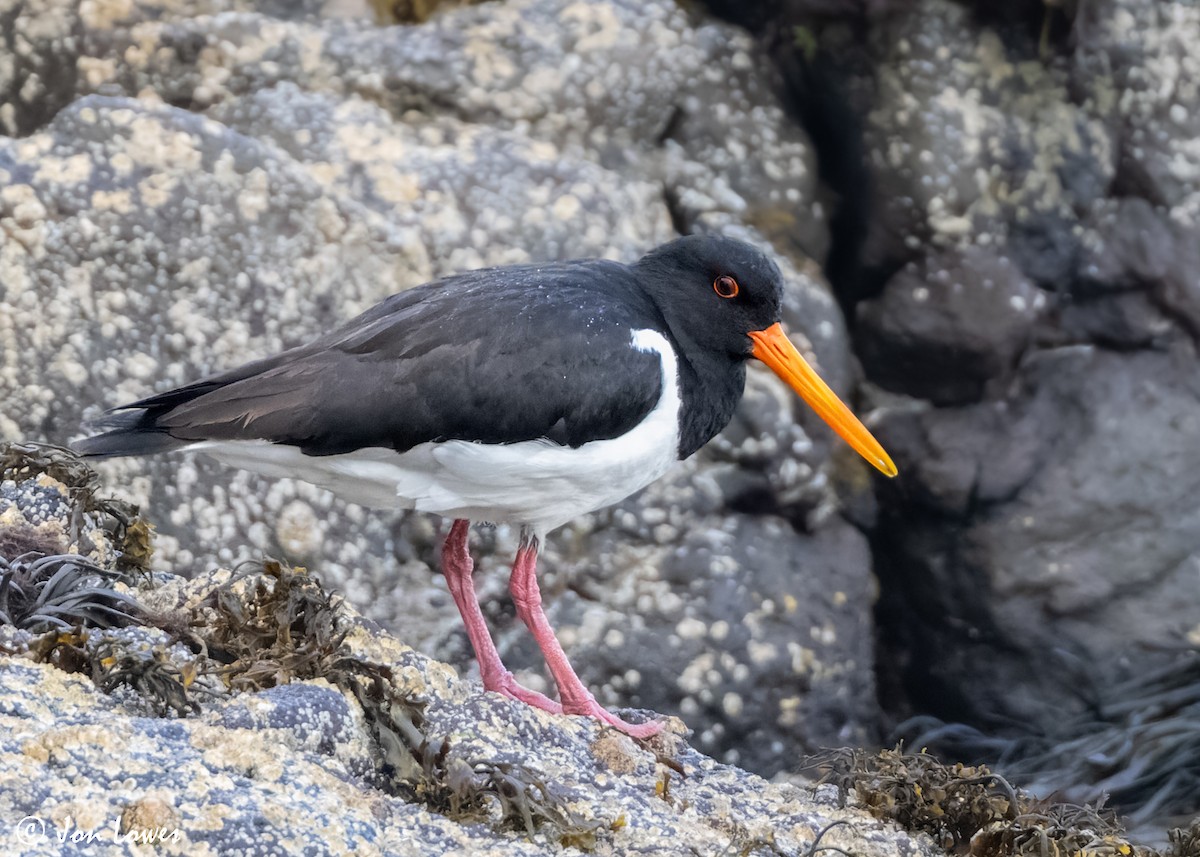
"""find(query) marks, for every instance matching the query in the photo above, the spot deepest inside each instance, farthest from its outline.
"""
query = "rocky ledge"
(249, 711)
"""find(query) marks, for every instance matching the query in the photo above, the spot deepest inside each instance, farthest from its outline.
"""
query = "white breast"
(535, 483)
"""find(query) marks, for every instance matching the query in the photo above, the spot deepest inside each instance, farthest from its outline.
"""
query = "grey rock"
(213, 788)
(945, 327)
(1073, 543)
(297, 768)
(1140, 246)
(474, 197)
(37, 62)
(1147, 52)
(973, 142)
(1037, 499)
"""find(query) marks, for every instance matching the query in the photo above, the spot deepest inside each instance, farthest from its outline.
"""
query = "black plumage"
(504, 357)
(499, 355)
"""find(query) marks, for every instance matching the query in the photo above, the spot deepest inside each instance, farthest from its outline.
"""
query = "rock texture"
(299, 767)
(1045, 509)
(1006, 199)
(291, 770)
(190, 185)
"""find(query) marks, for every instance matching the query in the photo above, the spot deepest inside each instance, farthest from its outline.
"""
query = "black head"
(713, 291)
(721, 300)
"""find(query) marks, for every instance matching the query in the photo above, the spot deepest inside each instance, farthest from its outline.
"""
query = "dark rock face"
(1017, 245)
(946, 326)
(1037, 271)
(1030, 525)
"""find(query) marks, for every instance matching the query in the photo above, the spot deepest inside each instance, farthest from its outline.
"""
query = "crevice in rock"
(680, 221)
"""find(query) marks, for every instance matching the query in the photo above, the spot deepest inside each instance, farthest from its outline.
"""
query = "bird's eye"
(726, 287)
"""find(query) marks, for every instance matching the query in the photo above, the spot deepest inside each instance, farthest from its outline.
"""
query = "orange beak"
(772, 347)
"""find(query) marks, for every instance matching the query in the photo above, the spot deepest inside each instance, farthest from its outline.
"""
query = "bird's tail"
(153, 424)
(127, 432)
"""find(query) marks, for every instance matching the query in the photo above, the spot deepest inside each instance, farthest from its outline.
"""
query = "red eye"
(726, 287)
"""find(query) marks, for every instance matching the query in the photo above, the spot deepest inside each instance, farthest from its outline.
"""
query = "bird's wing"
(546, 354)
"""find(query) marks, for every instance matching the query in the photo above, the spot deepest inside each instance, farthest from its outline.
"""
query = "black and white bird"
(529, 394)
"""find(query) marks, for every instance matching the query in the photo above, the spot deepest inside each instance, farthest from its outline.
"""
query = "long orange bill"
(772, 347)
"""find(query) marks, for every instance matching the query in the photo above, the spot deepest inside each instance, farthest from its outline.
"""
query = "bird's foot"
(590, 708)
(506, 684)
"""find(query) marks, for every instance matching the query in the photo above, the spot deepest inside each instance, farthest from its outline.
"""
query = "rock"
(756, 630)
(37, 69)
(370, 748)
(1030, 556)
(1071, 532)
(1011, 412)
(946, 326)
(240, 788)
(1148, 73)
(975, 142)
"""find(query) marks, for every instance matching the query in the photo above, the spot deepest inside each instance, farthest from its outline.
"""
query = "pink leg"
(576, 699)
(458, 568)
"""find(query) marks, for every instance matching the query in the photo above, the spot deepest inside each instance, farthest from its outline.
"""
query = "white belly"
(535, 483)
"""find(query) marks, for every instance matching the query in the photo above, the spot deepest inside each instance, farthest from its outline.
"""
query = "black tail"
(218, 407)
(133, 429)
(127, 432)
(137, 428)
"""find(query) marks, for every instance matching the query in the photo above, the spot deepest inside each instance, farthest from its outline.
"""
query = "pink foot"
(459, 569)
(576, 699)
(633, 730)
(506, 685)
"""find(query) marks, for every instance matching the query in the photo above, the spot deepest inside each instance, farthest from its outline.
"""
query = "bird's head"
(724, 295)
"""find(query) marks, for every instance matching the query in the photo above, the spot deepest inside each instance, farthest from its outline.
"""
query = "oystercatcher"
(528, 394)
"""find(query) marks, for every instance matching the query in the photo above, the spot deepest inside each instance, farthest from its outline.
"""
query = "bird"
(527, 394)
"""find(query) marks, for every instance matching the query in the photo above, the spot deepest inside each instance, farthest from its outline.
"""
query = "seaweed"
(969, 809)
(1045, 828)
(38, 593)
(287, 626)
(1136, 743)
(131, 534)
(271, 624)
(153, 675)
(19, 539)
(423, 768)
(1184, 842)
(66, 650)
(816, 847)
(388, 12)
(111, 663)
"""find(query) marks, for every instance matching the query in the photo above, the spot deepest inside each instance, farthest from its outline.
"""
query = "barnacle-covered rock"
(250, 711)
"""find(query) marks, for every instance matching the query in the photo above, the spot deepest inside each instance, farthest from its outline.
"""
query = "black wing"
(496, 356)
